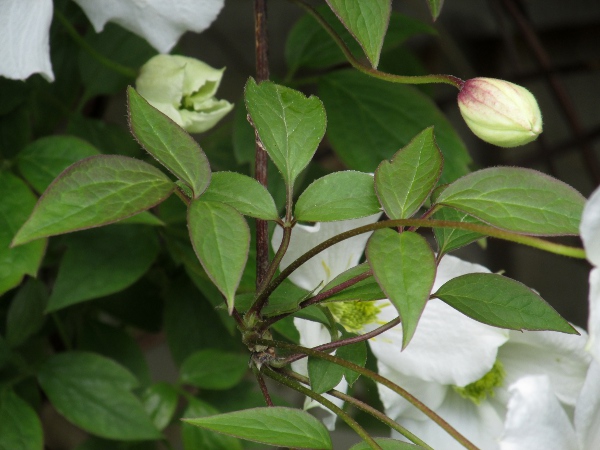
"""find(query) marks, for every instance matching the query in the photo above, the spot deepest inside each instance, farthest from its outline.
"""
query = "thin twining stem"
(263, 385)
(329, 346)
(318, 298)
(403, 79)
(377, 378)
(323, 401)
(363, 407)
(489, 231)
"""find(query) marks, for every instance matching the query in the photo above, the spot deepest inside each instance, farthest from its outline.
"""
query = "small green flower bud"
(183, 88)
(499, 112)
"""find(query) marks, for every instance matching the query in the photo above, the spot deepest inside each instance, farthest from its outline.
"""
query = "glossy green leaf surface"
(395, 114)
(279, 426)
(450, 239)
(355, 353)
(16, 203)
(95, 191)
(338, 196)
(517, 199)
(26, 312)
(214, 369)
(195, 438)
(501, 302)
(404, 183)
(221, 239)
(289, 125)
(367, 289)
(435, 7)
(102, 261)
(367, 21)
(309, 45)
(93, 393)
(245, 194)
(20, 427)
(404, 266)
(160, 402)
(170, 144)
(323, 375)
(387, 444)
(44, 159)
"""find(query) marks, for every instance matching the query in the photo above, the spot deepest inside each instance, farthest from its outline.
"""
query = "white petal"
(590, 228)
(328, 264)
(560, 356)
(587, 411)
(452, 267)
(481, 424)
(24, 38)
(448, 347)
(535, 419)
(160, 22)
(431, 394)
(594, 320)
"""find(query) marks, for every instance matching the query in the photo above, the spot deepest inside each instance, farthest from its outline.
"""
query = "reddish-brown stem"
(263, 386)
(260, 164)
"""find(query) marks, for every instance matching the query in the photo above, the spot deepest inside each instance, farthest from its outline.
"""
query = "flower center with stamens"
(355, 314)
(479, 390)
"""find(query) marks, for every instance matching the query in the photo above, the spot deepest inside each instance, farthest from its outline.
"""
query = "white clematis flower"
(316, 273)
(25, 26)
(24, 38)
(184, 89)
(536, 419)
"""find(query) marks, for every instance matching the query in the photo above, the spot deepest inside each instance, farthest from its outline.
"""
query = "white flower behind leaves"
(24, 38)
(160, 22)
(25, 27)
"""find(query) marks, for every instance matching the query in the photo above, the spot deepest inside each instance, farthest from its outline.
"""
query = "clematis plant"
(112, 240)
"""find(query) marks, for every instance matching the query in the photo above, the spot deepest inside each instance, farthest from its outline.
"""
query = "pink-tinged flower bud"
(500, 112)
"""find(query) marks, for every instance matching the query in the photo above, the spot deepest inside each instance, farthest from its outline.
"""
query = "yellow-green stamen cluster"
(479, 390)
(355, 314)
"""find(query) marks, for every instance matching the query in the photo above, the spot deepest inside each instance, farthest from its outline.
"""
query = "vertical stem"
(263, 385)
(260, 167)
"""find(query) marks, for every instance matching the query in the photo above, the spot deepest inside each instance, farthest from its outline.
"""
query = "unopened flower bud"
(499, 112)
(183, 88)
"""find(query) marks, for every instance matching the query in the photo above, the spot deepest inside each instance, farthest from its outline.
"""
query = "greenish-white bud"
(184, 89)
(499, 112)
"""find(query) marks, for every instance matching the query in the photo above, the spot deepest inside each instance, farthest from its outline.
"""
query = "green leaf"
(289, 125)
(278, 426)
(324, 375)
(338, 196)
(367, 21)
(95, 191)
(395, 114)
(517, 199)
(245, 194)
(450, 239)
(501, 302)
(160, 403)
(435, 7)
(387, 444)
(43, 160)
(109, 138)
(20, 427)
(16, 203)
(168, 143)
(309, 45)
(214, 369)
(93, 393)
(404, 266)
(355, 353)
(404, 183)
(195, 438)
(26, 312)
(221, 239)
(101, 262)
(367, 289)
(117, 344)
